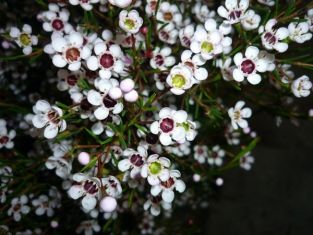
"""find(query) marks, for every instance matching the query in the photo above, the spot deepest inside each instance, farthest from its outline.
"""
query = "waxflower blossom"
(216, 155)
(233, 11)
(168, 34)
(6, 136)
(108, 59)
(130, 21)
(169, 13)
(194, 62)
(48, 117)
(299, 32)
(156, 169)
(272, 37)
(251, 20)
(173, 126)
(154, 205)
(302, 86)
(201, 153)
(202, 12)
(88, 226)
(166, 188)
(180, 79)
(210, 40)
(238, 114)
(246, 161)
(18, 207)
(68, 50)
(43, 206)
(248, 66)
(24, 38)
(121, 3)
(112, 186)
(186, 34)
(61, 166)
(85, 4)
(162, 58)
(134, 161)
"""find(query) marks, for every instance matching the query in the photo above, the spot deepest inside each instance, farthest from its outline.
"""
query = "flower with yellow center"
(130, 21)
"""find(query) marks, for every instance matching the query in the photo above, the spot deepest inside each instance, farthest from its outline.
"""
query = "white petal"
(50, 131)
(124, 165)
(89, 202)
(58, 61)
(101, 113)
(168, 195)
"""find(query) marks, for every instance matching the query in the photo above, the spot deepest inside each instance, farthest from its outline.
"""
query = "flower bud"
(83, 158)
(108, 204)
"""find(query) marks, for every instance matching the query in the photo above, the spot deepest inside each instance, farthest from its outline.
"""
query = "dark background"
(276, 196)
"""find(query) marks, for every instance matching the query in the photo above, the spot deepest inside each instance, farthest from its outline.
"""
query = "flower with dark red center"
(167, 125)
(248, 66)
(270, 38)
(72, 54)
(136, 160)
(159, 60)
(4, 140)
(72, 80)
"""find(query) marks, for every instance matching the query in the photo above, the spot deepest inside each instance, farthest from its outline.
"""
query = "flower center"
(155, 168)
(25, 39)
(248, 66)
(206, 47)
(53, 116)
(108, 102)
(167, 125)
(270, 38)
(85, 105)
(159, 60)
(237, 115)
(169, 183)
(136, 160)
(106, 60)
(57, 24)
(72, 54)
(72, 80)
(168, 16)
(4, 139)
(178, 80)
(234, 15)
(129, 23)
(90, 187)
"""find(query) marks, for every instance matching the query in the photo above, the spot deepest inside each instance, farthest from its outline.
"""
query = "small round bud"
(108, 204)
(54, 224)
(144, 30)
(115, 93)
(196, 177)
(127, 85)
(219, 181)
(83, 158)
(131, 96)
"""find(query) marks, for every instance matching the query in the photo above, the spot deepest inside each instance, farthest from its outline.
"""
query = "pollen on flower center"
(129, 23)
(107, 60)
(72, 54)
(25, 39)
(248, 66)
(57, 24)
(155, 168)
(167, 125)
(168, 16)
(178, 80)
(206, 46)
(90, 187)
(237, 115)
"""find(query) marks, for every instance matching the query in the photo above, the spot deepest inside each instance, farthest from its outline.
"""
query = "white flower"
(130, 21)
(156, 169)
(169, 13)
(86, 187)
(248, 66)
(216, 156)
(250, 20)
(200, 153)
(134, 161)
(62, 167)
(49, 118)
(85, 4)
(6, 175)
(269, 59)
(121, 3)
(299, 32)
(202, 12)
(186, 34)
(287, 75)
(18, 207)
(108, 58)
(246, 161)
(6, 136)
(67, 80)
(269, 3)
(102, 100)
(60, 149)
(112, 186)
(101, 126)
(302, 86)
(24, 38)
(210, 41)
(233, 11)
(88, 227)
(180, 79)
(155, 204)
(168, 34)
(238, 115)
(272, 37)
(69, 50)
(167, 187)
(56, 19)
(43, 206)
(162, 58)
(173, 125)
(194, 63)
(226, 68)
(179, 150)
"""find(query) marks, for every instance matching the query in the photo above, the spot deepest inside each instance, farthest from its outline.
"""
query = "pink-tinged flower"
(299, 32)
(194, 62)
(88, 227)
(168, 34)
(155, 204)
(166, 188)
(169, 13)
(238, 114)
(162, 58)
(43, 206)
(302, 86)
(249, 66)
(201, 153)
(156, 169)
(246, 161)
(173, 125)
(233, 11)
(272, 37)
(108, 59)
(130, 21)
(48, 117)
(134, 161)
(112, 186)
(186, 34)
